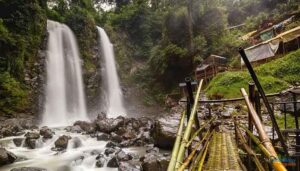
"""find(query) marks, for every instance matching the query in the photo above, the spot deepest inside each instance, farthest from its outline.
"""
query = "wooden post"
(262, 134)
(264, 98)
(257, 104)
(250, 124)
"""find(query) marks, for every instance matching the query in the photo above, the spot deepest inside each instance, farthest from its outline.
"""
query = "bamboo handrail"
(248, 149)
(177, 143)
(198, 131)
(203, 157)
(278, 166)
(189, 158)
(187, 132)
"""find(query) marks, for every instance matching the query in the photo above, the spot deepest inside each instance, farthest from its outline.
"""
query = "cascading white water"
(115, 105)
(65, 99)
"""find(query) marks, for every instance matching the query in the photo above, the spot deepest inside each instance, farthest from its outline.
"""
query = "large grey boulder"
(31, 138)
(164, 131)
(6, 157)
(155, 161)
(62, 142)
(109, 125)
(46, 132)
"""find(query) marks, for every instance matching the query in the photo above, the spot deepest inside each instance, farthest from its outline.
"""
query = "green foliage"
(81, 17)
(13, 96)
(25, 24)
(274, 76)
(290, 121)
(22, 27)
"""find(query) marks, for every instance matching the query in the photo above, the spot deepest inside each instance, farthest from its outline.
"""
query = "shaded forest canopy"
(157, 42)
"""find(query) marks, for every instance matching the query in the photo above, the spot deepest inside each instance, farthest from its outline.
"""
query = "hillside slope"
(274, 76)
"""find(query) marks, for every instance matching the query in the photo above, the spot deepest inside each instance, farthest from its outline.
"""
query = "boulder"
(74, 129)
(122, 156)
(30, 143)
(6, 157)
(109, 151)
(103, 137)
(116, 138)
(46, 132)
(86, 126)
(111, 144)
(32, 135)
(164, 131)
(113, 162)
(155, 162)
(129, 166)
(28, 169)
(109, 125)
(62, 142)
(100, 160)
(18, 141)
(31, 138)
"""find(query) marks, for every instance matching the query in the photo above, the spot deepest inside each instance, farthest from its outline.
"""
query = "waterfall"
(113, 91)
(65, 98)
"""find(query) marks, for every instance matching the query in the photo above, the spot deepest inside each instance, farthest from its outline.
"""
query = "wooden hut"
(210, 67)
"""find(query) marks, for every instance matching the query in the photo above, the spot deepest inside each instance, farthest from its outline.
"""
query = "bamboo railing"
(188, 129)
(277, 165)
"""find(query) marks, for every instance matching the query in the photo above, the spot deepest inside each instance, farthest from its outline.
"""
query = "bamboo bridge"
(204, 146)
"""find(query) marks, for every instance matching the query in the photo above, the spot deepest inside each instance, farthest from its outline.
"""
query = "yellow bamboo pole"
(278, 166)
(187, 132)
(177, 143)
(248, 149)
(203, 158)
(189, 158)
(198, 131)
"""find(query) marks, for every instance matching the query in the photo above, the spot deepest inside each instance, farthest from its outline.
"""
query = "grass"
(290, 121)
(274, 77)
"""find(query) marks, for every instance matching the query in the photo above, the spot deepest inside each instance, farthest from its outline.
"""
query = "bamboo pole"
(248, 149)
(257, 142)
(188, 130)
(177, 143)
(189, 158)
(198, 157)
(203, 157)
(198, 131)
(278, 166)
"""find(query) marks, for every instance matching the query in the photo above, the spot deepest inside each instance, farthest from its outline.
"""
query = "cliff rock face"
(92, 82)
(35, 79)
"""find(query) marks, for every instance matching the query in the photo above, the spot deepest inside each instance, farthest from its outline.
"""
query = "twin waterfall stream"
(65, 103)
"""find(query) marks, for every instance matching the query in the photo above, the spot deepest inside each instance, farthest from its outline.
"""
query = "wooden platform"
(223, 154)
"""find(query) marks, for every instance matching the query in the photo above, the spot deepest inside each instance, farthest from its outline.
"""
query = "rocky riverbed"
(126, 144)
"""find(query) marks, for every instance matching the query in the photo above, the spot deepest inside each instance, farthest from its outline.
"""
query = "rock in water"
(28, 169)
(62, 142)
(113, 162)
(46, 133)
(86, 126)
(18, 141)
(164, 131)
(100, 160)
(103, 137)
(129, 166)
(30, 140)
(6, 157)
(109, 125)
(155, 162)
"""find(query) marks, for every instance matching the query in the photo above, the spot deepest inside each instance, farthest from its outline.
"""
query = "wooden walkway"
(223, 154)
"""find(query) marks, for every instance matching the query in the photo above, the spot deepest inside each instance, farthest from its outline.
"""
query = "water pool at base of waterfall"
(82, 158)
